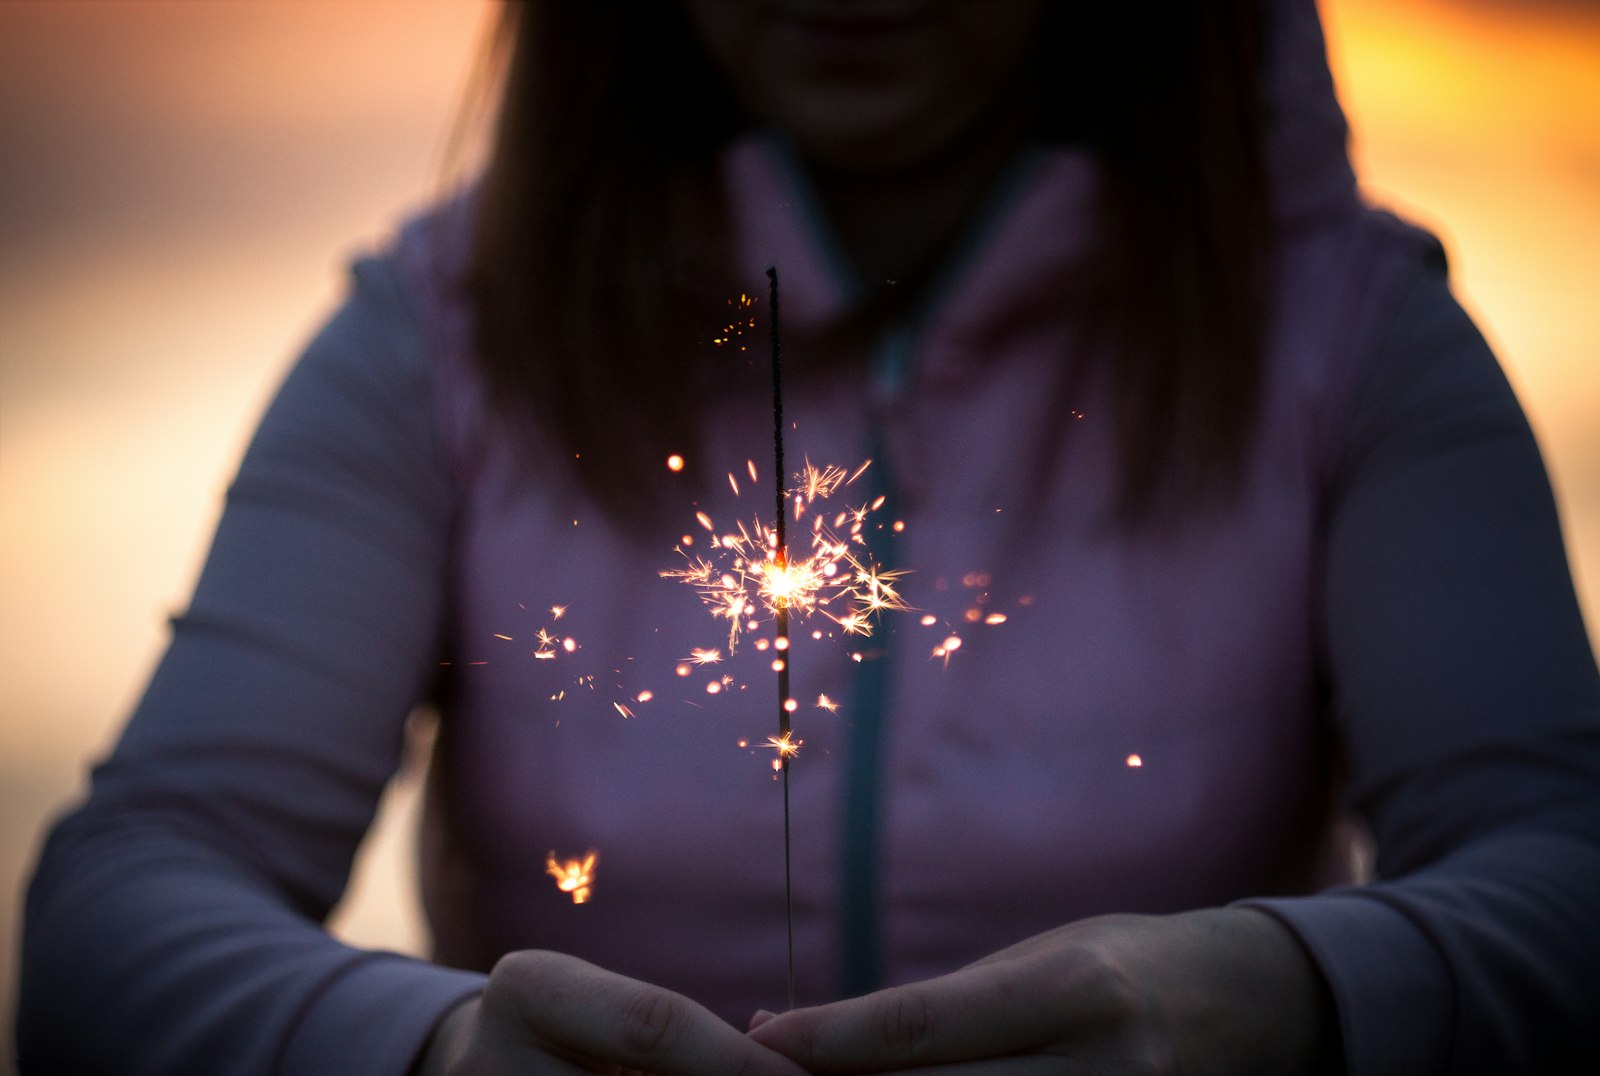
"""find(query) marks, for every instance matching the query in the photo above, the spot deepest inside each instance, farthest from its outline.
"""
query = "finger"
(574, 1006)
(979, 1012)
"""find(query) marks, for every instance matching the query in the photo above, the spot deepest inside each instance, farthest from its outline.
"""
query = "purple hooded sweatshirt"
(1379, 628)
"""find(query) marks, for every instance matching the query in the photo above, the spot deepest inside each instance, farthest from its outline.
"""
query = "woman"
(1137, 373)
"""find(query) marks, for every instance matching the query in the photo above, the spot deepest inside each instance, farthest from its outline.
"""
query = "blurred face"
(868, 85)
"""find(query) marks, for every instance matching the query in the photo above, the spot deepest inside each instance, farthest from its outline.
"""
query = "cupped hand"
(1215, 991)
(544, 1012)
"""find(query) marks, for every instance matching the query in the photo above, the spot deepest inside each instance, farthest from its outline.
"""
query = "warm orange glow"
(1134, 762)
(788, 585)
(786, 745)
(574, 876)
(951, 644)
(746, 575)
(674, 462)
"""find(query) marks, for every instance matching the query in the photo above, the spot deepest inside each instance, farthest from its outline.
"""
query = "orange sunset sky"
(181, 182)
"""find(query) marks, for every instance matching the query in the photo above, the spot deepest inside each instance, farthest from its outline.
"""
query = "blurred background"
(181, 184)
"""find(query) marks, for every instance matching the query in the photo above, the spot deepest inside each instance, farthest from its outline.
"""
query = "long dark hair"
(600, 230)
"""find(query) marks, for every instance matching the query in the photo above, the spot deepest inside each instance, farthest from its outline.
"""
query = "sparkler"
(751, 568)
(783, 594)
(750, 572)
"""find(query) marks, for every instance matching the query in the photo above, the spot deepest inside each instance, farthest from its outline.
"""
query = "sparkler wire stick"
(781, 559)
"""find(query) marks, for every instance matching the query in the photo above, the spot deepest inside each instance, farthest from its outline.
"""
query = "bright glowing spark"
(995, 618)
(786, 745)
(574, 876)
(644, 696)
(946, 648)
(1134, 762)
(623, 710)
(825, 703)
(674, 462)
(745, 575)
(700, 656)
(557, 612)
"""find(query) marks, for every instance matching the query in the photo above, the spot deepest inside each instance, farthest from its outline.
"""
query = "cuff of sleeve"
(376, 1016)
(1392, 989)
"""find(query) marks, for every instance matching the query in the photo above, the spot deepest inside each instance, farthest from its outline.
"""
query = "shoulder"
(1342, 286)
(431, 250)
(371, 391)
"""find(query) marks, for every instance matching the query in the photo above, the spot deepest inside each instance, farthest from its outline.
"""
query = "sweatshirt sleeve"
(173, 924)
(1466, 697)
